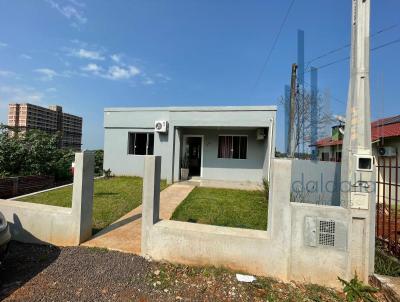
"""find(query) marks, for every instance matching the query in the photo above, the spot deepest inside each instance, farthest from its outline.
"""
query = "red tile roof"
(382, 128)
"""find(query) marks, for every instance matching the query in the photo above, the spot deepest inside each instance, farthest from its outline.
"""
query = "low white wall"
(38, 223)
(280, 252)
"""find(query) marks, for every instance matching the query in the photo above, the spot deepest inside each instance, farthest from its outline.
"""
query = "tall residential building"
(51, 120)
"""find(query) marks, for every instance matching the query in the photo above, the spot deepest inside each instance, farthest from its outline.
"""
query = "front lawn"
(224, 207)
(113, 198)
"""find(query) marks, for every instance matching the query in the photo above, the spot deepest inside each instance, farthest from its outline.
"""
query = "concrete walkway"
(124, 234)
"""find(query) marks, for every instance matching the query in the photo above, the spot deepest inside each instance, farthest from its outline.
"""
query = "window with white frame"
(141, 143)
(232, 146)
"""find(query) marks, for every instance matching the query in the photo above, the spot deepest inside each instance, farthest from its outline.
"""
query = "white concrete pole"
(357, 136)
(357, 170)
(82, 195)
(150, 198)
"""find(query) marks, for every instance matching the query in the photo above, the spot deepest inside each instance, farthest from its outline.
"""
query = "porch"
(226, 157)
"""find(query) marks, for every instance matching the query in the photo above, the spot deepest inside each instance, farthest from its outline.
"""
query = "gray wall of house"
(118, 122)
(249, 169)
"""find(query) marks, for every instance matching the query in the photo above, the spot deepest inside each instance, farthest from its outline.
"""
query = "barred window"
(141, 143)
(232, 146)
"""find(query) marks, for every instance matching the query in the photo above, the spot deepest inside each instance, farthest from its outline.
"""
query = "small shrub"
(355, 290)
(107, 173)
(266, 188)
(385, 264)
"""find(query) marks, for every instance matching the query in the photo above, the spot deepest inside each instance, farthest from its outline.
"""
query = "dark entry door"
(194, 155)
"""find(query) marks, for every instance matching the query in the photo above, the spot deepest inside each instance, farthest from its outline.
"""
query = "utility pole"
(357, 170)
(292, 130)
(357, 135)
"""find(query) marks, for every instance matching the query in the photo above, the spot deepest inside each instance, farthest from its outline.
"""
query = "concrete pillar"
(150, 197)
(82, 195)
(15, 181)
(177, 155)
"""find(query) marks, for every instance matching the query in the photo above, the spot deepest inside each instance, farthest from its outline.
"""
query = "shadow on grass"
(105, 194)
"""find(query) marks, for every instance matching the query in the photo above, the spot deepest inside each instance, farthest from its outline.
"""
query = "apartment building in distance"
(51, 120)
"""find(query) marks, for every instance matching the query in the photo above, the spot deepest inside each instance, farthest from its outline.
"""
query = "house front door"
(194, 156)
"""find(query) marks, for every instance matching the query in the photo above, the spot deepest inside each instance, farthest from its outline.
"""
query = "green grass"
(386, 264)
(224, 207)
(113, 198)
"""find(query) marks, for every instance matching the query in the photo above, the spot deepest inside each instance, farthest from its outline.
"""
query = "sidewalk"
(124, 235)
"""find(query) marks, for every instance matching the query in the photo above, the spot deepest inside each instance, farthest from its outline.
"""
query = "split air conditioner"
(387, 151)
(260, 134)
(161, 126)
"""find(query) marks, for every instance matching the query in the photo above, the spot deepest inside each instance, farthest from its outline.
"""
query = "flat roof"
(194, 108)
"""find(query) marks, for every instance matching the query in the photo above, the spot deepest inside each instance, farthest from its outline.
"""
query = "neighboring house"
(22, 117)
(221, 143)
(385, 135)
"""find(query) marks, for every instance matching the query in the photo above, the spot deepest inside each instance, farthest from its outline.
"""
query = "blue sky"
(87, 55)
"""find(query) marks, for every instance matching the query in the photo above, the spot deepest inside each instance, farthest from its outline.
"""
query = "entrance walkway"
(124, 234)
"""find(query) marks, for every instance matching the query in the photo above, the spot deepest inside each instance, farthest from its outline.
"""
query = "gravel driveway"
(45, 273)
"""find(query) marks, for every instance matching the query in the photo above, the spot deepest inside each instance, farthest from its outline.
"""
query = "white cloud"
(92, 68)
(116, 58)
(86, 54)
(8, 74)
(25, 56)
(148, 81)
(14, 94)
(72, 10)
(122, 73)
(51, 89)
(163, 78)
(47, 73)
(77, 3)
(2, 44)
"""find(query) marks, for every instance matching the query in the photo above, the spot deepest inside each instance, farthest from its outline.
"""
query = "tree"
(33, 153)
(311, 119)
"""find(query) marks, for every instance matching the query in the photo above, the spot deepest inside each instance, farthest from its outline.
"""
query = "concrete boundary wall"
(38, 223)
(281, 251)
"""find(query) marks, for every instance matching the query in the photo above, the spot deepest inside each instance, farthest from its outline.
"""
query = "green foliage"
(107, 173)
(185, 161)
(98, 161)
(385, 264)
(33, 153)
(266, 188)
(356, 291)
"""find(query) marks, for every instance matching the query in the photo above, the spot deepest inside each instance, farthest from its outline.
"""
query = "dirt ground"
(47, 273)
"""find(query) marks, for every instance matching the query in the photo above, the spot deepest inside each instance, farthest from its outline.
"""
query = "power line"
(348, 57)
(274, 43)
(348, 44)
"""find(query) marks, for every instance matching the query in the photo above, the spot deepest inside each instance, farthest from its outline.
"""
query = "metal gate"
(387, 203)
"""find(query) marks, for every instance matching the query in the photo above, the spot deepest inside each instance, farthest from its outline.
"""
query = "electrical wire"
(274, 43)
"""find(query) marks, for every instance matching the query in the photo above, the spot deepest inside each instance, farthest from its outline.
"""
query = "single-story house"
(216, 143)
(385, 136)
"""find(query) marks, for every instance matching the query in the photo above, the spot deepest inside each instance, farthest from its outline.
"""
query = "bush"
(33, 153)
(98, 160)
(356, 290)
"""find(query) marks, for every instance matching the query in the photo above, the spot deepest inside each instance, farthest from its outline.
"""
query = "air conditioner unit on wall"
(161, 126)
(260, 134)
(387, 151)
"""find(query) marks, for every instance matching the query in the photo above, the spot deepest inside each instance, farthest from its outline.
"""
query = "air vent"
(326, 232)
(323, 232)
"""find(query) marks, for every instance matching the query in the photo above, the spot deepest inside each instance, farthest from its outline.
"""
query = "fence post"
(82, 195)
(14, 186)
(150, 198)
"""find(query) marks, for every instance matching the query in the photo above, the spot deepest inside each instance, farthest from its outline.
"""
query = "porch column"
(176, 155)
